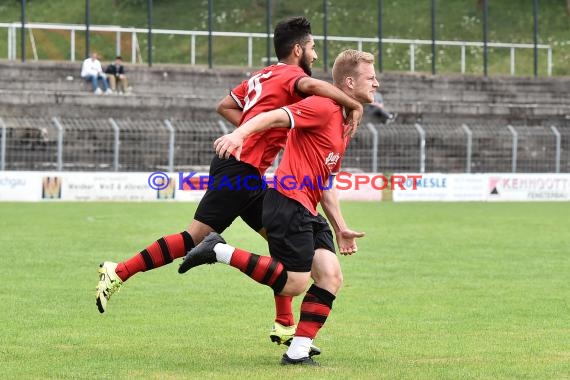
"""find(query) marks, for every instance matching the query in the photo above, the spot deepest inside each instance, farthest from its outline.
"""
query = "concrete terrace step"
(160, 100)
(467, 96)
(193, 79)
(474, 82)
(64, 76)
(462, 108)
(78, 85)
(172, 73)
(153, 105)
(186, 91)
(49, 103)
(215, 93)
(468, 88)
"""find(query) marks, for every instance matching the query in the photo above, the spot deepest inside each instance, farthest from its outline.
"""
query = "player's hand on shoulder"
(353, 121)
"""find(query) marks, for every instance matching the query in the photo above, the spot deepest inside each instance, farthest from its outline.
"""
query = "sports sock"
(283, 310)
(159, 253)
(262, 269)
(315, 309)
(223, 253)
(299, 347)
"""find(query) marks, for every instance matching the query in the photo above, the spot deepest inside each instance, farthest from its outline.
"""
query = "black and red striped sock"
(315, 309)
(159, 253)
(263, 269)
(283, 310)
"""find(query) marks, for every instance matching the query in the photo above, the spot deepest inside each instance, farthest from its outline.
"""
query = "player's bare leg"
(315, 307)
(262, 269)
(161, 252)
(284, 325)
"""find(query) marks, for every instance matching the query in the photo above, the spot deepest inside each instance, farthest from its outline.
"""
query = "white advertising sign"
(528, 187)
(110, 186)
(441, 187)
(20, 186)
(106, 187)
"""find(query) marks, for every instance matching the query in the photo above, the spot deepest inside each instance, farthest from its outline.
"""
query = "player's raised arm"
(312, 86)
(233, 142)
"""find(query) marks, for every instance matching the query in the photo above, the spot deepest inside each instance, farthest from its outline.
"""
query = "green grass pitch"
(436, 291)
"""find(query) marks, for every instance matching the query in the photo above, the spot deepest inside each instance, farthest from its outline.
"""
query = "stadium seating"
(33, 93)
(189, 91)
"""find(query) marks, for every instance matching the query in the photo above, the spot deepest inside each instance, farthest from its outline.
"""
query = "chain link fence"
(79, 144)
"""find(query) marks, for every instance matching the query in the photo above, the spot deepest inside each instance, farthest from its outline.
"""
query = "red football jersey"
(314, 150)
(266, 90)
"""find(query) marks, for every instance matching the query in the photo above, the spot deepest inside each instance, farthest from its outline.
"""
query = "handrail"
(112, 28)
(12, 27)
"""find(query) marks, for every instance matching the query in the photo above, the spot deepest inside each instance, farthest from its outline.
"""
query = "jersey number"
(254, 87)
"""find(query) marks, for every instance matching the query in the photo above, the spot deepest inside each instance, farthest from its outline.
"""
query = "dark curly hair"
(288, 33)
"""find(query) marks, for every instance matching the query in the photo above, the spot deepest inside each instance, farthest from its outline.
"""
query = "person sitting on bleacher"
(378, 111)
(116, 76)
(92, 71)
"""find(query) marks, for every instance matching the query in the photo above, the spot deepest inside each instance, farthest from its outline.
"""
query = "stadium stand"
(446, 123)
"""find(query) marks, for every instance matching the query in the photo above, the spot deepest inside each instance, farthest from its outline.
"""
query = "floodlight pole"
(433, 38)
(210, 37)
(485, 32)
(149, 36)
(535, 14)
(380, 11)
(325, 34)
(268, 26)
(23, 34)
(87, 22)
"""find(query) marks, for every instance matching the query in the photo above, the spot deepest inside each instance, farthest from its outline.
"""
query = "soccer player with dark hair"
(275, 86)
(300, 240)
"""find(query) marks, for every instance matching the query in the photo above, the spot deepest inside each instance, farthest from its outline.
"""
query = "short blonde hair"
(346, 63)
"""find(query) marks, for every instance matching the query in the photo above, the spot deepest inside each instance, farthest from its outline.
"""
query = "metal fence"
(479, 37)
(74, 144)
(413, 45)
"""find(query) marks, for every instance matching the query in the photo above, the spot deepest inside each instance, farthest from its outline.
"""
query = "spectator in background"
(377, 110)
(92, 71)
(116, 76)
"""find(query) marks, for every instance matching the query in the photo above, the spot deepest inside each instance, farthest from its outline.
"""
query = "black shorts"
(293, 232)
(236, 190)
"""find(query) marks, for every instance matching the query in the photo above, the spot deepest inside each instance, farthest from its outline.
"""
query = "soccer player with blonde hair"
(300, 239)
